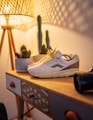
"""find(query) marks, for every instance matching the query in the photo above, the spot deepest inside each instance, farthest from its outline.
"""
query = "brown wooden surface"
(60, 86)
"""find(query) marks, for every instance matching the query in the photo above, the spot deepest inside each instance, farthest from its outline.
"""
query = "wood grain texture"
(60, 86)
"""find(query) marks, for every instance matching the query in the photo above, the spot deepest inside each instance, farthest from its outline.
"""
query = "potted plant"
(42, 48)
(23, 59)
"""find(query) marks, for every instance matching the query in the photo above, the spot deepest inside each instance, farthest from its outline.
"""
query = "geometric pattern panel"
(36, 96)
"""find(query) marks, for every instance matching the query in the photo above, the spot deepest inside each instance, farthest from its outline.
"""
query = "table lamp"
(13, 13)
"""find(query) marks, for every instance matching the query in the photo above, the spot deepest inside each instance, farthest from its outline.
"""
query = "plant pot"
(21, 64)
(36, 58)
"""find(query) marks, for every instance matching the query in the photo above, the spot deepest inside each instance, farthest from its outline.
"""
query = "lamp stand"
(10, 41)
(11, 49)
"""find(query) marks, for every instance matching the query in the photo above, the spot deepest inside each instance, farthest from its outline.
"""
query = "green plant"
(39, 33)
(47, 40)
(42, 48)
(24, 53)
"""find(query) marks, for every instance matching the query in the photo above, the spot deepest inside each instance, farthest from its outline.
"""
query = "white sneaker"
(55, 65)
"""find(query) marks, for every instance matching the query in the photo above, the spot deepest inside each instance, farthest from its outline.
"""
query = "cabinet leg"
(20, 108)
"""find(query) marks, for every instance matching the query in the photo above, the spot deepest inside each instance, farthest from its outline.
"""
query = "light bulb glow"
(6, 9)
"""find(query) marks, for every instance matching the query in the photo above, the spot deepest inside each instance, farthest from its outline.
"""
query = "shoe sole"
(64, 73)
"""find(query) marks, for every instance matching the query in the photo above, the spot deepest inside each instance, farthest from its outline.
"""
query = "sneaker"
(55, 64)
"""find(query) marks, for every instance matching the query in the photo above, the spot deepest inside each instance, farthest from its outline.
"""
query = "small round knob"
(12, 84)
(31, 95)
(71, 115)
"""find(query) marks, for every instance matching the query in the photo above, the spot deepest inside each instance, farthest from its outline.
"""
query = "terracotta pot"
(36, 58)
(21, 64)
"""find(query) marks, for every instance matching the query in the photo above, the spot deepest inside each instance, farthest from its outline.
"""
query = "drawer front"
(60, 104)
(36, 96)
(13, 84)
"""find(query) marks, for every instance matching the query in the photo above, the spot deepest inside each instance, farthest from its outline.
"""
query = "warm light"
(6, 9)
(14, 19)
(15, 12)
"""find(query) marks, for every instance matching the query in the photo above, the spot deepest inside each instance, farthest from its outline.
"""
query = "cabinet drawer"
(13, 84)
(60, 104)
(36, 96)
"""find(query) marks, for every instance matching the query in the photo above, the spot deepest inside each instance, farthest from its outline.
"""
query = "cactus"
(47, 40)
(42, 48)
(24, 53)
(39, 33)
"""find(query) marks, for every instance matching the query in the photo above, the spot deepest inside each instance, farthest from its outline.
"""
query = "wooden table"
(51, 96)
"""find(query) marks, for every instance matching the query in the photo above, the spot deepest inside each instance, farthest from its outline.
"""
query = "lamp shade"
(15, 12)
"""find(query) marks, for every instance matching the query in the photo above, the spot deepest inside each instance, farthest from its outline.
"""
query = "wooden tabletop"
(60, 86)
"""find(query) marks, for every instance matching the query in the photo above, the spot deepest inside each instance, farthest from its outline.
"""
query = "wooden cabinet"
(60, 104)
(51, 96)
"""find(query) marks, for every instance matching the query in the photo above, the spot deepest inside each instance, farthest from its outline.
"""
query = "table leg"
(20, 107)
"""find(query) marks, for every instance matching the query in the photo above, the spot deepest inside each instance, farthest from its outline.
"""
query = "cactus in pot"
(42, 47)
(23, 59)
(24, 53)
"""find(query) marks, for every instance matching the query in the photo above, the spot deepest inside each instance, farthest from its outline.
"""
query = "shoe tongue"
(57, 54)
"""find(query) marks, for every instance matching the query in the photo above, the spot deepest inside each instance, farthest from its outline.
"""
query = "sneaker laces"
(56, 55)
(47, 56)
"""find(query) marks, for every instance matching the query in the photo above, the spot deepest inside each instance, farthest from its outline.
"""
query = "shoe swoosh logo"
(75, 65)
(57, 65)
